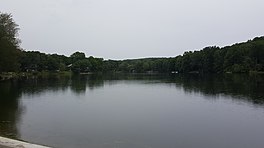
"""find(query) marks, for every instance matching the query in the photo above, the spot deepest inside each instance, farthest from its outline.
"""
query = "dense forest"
(238, 58)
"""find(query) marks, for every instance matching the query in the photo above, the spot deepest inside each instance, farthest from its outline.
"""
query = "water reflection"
(249, 88)
(244, 87)
(79, 84)
(10, 109)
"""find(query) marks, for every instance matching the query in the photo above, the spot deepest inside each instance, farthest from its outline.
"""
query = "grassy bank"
(13, 75)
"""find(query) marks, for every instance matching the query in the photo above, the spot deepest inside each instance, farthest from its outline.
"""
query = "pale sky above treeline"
(121, 29)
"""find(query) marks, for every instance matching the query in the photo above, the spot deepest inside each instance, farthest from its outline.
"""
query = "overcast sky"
(119, 29)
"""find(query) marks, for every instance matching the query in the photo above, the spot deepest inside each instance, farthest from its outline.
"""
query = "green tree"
(110, 66)
(52, 64)
(96, 64)
(77, 56)
(81, 66)
(9, 44)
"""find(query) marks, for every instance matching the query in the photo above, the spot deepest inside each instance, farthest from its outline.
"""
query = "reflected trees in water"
(11, 109)
(247, 88)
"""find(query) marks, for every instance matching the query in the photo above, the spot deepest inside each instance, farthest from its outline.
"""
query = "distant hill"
(238, 58)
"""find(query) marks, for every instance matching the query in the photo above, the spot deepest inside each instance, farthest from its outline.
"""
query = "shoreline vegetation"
(46, 74)
(246, 57)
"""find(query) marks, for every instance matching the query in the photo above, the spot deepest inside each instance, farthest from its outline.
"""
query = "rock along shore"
(10, 143)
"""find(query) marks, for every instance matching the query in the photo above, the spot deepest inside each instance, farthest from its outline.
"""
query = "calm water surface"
(135, 111)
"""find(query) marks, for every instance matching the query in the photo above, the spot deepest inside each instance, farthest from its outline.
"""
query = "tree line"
(238, 58)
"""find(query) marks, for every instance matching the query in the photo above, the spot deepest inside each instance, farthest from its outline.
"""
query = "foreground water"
(135, 111)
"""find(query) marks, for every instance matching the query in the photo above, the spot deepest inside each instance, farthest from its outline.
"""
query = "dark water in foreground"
(135, 111)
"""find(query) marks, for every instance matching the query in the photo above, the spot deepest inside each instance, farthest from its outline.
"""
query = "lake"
(135, 111)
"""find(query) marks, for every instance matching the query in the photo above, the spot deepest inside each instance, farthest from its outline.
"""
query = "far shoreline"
(5, 76)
